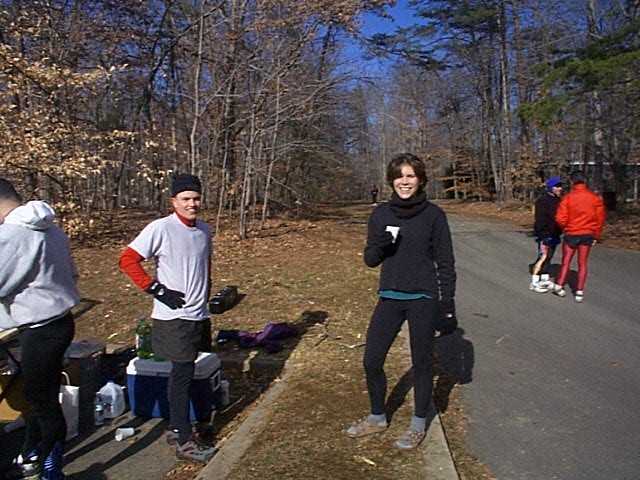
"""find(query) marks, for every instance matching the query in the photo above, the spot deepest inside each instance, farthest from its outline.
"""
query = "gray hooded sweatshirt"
(37, 273)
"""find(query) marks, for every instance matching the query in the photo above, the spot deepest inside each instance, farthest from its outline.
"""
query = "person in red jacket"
(581, 216)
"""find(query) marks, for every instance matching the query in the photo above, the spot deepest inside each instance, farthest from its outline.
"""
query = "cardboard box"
(147, 387)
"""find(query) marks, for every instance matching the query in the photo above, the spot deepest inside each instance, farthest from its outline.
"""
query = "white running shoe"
(536, 285)
(539, 288)
(559, 291)
(545, 281)
(579, 296)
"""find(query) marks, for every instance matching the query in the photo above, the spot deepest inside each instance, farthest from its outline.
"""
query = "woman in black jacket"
(410, 237)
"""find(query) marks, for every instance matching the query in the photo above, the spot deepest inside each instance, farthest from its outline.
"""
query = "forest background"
(265, 100)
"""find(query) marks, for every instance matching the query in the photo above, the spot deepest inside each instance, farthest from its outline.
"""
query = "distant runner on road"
(410, 237)
(374, 194)
(581, 216)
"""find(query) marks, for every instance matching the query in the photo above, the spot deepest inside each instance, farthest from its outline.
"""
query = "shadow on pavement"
(96, 470)
(572, 278)
(453, 366)
(399, 393)
(108, 436)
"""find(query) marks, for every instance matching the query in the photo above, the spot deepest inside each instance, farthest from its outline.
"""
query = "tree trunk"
(596, 107)
(505, 108)
(272, 159)
(193, 143)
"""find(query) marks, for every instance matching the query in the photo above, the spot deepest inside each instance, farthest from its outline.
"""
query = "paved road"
(556, 384)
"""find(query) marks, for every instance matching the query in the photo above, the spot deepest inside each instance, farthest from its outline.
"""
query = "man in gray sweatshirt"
(37, 292)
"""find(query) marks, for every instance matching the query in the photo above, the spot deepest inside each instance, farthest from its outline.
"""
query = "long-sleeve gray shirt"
(37, 273)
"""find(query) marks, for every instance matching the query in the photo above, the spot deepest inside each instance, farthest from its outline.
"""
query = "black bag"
(223, 300)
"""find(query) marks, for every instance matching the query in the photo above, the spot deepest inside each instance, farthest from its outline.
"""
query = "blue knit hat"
(553, 182)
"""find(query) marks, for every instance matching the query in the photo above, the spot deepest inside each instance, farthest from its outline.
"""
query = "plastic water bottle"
(98, 410)
(224, 393)
(143, 339)
(112, 397)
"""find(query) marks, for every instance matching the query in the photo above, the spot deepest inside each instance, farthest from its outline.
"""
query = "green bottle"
(143, 339)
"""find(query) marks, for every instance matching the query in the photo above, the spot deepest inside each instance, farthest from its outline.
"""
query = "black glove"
(447, 321)
(382, 240)
(171, 298)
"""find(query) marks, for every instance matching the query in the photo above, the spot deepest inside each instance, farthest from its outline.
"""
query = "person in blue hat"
(547, 234)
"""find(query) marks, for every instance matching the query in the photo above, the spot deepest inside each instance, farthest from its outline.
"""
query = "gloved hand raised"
(171, 298)
(382, 240)
(447, 321)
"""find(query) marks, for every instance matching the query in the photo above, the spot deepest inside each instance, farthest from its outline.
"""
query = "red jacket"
(581, 212)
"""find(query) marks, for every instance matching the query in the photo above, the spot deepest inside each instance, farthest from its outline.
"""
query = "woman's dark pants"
(385, 324)
(42, 354)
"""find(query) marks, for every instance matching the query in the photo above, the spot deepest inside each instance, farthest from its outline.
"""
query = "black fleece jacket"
(421, 259)
(545, 225)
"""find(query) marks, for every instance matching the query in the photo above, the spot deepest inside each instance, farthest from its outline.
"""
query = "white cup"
(122, 433)
(394, 231)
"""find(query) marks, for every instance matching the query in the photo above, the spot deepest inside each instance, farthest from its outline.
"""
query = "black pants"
(179, 389)
(42, 354)
(179, 341)
(385, 324)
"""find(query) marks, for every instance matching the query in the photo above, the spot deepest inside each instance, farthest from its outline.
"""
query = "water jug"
(112, 396)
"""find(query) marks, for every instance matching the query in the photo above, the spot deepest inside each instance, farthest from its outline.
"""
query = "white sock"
(418, 424)
(373, 419)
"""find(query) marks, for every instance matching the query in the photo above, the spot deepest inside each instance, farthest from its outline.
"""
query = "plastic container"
(223, 394)
(143, 339)
(123, 433)
(112, 396)
(98, 409)
(147, 387)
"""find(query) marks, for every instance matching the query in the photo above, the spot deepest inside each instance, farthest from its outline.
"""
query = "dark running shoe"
(28, 468)
(203, 434)
(195, 452)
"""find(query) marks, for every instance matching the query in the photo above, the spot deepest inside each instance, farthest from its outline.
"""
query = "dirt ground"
(307, 272)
